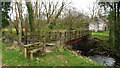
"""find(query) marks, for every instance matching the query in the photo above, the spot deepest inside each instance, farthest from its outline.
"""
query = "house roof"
(96, 21)
(103, 21)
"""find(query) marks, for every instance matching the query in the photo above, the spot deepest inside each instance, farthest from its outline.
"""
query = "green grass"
(66, 58)
(101, 35)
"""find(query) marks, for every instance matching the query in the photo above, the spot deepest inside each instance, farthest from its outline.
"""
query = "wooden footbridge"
(65, 38)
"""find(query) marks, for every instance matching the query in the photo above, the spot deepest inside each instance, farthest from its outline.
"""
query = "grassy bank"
(104, 36)
(15, 57)
(101, 35)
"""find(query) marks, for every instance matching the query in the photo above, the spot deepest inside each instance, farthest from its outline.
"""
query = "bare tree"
(51, 13)
(94, 9)
(74, 19)
(46, 13)
(18, 11)
(13, 22)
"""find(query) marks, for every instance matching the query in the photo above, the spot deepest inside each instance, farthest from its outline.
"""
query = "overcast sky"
(79, 5)
(82, 4)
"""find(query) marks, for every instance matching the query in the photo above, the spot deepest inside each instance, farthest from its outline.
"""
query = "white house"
(98, 24)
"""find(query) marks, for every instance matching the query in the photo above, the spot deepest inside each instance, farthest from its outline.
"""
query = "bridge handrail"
(62, 35)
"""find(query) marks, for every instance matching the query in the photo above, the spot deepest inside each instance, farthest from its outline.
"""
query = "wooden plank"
(37, 43)
(32, 35)
(34, 40)
(28, 45)
(51, 44)
(35, 50)
(31, 44)
(75, 40)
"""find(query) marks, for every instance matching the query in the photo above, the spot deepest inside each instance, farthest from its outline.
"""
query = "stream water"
(88, 49)
(103, 60)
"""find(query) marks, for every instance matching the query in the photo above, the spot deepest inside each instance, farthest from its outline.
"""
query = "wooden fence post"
(25, 52)
(31, 56)
(75, 35)
(44, 44)
(50, 37)
(60, 38)
(69, 35)
(25, 39)
(79, 34)
(88, 32)
(84, 32)
(65, 36)
(56, 35)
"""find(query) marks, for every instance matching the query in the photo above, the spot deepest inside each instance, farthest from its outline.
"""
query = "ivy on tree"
(5, 10)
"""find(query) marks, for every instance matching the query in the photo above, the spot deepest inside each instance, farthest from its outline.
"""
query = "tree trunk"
(111, 33)
(19, 18)
(117, 27)
(20, 30)
(16, 30)
(31, 19)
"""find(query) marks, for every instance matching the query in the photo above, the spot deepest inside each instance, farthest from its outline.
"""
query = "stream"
(89, 50)
(103, 60)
